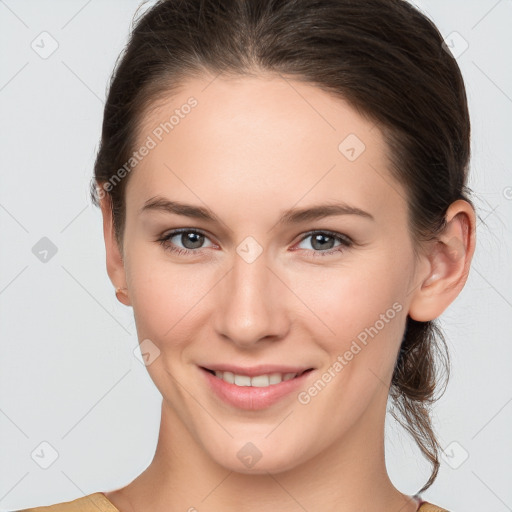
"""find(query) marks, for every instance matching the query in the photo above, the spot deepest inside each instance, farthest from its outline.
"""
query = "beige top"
(98, 502)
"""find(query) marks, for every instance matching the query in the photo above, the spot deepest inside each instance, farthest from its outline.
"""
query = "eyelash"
(346, 242)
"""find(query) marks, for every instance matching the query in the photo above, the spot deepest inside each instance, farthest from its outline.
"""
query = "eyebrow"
(291, 216)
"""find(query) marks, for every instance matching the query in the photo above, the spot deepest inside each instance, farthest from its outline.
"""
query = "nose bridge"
(250, 307)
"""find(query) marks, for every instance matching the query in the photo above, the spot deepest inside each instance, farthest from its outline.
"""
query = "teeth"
(228, 377)
(258, 381)
(242, 380)
(275, 378)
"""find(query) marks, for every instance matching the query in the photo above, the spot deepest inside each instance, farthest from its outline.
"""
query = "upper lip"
(252, 371)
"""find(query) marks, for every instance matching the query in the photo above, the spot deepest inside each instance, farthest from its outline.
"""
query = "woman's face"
(265, 283)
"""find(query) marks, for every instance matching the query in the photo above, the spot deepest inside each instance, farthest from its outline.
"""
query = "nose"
(251, 304)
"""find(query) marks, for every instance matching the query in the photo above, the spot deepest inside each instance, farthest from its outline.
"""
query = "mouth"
(263, 388)
(262, 380)
(255, 387)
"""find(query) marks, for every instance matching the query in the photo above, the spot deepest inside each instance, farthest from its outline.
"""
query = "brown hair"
(384, 57)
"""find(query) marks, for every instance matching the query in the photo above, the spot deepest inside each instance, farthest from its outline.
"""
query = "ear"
(448, 261)
(115, 263)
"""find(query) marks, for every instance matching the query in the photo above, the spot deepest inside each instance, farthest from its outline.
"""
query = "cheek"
(362, 315)
(348, 300)
(366, 314)
(166, 301)
(165, 297)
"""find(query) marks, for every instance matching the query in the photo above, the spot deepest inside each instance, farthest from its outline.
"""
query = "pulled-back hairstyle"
(384, 57)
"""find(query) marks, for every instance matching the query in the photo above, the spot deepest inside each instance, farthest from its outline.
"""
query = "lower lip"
(250, 397)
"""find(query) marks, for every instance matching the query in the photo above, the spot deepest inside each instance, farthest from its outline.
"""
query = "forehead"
(246, 140)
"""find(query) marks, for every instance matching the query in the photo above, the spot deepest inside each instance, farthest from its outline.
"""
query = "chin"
(258, 457)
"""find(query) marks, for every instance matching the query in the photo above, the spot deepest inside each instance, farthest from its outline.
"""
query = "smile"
(257, 391)
(259, 381)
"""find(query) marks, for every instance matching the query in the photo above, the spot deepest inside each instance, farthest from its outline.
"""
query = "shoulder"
(429, 507)
(96, 502)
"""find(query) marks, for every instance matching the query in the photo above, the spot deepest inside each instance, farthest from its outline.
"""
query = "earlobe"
(122, 296)
(114, 258)
(449, 260)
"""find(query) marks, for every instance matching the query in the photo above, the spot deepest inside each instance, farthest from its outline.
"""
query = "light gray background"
(68, 374)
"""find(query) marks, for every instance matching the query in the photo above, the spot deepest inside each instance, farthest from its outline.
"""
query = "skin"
(252, 148)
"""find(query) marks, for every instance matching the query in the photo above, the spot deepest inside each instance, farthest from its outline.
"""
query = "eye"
(191, 240)
(322, 242)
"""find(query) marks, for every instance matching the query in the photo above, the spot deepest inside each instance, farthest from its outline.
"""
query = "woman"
(284, 200)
